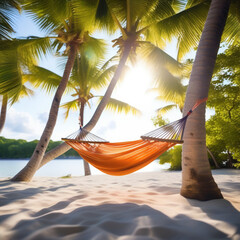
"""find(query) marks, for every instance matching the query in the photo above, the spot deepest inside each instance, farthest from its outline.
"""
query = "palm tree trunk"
(91, 124)
(197, 180)
(62, 148)
(3, 112)
(29, 170)
(54, 153)
(87, 170)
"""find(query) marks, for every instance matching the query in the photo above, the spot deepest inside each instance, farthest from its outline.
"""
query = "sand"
(140, 206)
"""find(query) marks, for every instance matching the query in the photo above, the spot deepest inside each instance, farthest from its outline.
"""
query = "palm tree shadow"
(10, 193)
(219, 209)
(113, 221)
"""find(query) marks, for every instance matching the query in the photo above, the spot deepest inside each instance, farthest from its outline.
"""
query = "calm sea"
(62, 167)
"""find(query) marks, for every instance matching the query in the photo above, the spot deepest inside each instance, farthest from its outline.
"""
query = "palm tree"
(139, 22)
(69, 20)
(7, 11)
(175, 94)
(62, 21)
(135, 19)
(16, 57)
(7, 8)
(85, 77)
(197, 181)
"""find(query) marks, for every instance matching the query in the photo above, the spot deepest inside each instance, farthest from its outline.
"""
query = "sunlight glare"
(133, 88)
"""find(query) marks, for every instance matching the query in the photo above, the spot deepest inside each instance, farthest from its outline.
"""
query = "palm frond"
(21, 93)
(168, 84)
(157, 58)
(8, 11)
(104, 78)
(29, 49)
(10, 73)
(166, 109)
(110, 61)
(71, 105)
(94, 50)
(48, 14)
(178, 5)
(186, 26)
(231, 31)
(121, 107)
(43, 78)
(96, 14)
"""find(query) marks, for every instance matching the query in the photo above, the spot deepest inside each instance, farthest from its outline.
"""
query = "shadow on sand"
(122, 221)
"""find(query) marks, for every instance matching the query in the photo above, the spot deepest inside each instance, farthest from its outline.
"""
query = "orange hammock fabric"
(120, 158)
(126, 157)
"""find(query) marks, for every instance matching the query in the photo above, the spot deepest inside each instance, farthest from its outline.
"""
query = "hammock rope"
(123, 158)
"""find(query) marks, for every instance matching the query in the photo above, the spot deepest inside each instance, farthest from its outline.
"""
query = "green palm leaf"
(43, 78)
(165, 109)
(71, 105)
(21, 92)
(7, 13)
(93, 50)
(28, 49)
(49, 15)
(157, 58)
(186, 26)
(231, 31)
(119, 106)
(96, 13)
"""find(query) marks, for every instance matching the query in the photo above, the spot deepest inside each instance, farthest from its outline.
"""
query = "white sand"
(139, 206)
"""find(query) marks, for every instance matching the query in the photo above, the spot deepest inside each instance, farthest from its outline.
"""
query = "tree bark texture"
(3, 112)
(29, 170)
(197, 180)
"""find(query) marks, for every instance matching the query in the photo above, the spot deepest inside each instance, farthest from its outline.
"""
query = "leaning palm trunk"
(3, 112)
(197, 180)
(91, 124)
(87, 170)
(62, 148)
(29, 170)
(54, 153)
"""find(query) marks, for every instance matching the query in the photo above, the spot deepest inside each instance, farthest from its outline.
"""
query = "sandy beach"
(140, 206)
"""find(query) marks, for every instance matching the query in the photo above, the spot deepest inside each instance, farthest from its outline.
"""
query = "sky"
(27, 118)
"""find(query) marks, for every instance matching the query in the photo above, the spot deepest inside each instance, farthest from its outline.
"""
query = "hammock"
(123, 158)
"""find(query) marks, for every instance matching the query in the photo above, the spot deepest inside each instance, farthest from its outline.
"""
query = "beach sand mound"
(140, 206)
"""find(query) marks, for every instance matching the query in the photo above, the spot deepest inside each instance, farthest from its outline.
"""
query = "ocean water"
(62, 167)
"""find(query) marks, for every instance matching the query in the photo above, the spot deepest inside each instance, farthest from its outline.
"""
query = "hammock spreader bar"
(126, 157)
(84, 136)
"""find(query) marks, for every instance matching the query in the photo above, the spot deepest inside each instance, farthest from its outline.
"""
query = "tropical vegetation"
(19, 148)
(223, 128)
(62, 23)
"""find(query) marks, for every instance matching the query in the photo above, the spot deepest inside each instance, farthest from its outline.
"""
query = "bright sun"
(133, 88)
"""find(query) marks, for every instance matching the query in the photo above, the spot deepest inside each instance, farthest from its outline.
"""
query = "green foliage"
(13, 149)
(7, 13)
(223, 129)
(159, 121)
(172, 156)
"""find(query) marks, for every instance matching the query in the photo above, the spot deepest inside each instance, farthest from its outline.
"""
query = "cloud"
(43, 117)
(107, 128)
(22, 125)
